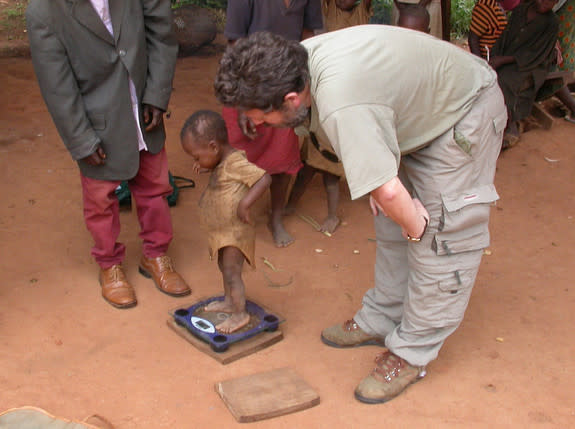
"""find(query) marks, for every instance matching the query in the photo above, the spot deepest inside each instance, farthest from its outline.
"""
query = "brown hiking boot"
(390, 377)
(349, 335)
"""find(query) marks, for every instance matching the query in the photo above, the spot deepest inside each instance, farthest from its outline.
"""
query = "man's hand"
(153, 117)
(98, 157)
(423, 215)
(247, 126)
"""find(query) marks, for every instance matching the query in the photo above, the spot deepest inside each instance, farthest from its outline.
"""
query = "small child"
(234, 185)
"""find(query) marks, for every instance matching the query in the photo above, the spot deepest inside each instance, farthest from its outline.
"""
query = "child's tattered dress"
(228, 184)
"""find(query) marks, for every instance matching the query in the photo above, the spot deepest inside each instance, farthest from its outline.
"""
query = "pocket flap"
(477, 195)
(98, 121)
(500, 122)
(475, 238)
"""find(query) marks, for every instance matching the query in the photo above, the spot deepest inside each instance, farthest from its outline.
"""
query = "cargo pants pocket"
(463, 224)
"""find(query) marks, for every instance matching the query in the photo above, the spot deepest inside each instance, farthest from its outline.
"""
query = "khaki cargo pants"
(422, 289)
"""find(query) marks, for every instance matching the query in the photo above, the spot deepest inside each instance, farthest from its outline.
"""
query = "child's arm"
(255, 192)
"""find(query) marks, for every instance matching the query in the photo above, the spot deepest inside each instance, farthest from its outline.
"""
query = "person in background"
(522, 57)
(338, 14)
(105, 71)
(273, 149)
(315, 152)
(432, 6)
(414, 17)
(488, 20)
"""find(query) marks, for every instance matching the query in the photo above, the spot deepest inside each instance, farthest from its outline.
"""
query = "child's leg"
(230, 262)
(302, 180)
(331, 184)
(278, 190)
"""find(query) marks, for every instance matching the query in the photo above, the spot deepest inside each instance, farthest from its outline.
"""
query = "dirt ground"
(64, 349)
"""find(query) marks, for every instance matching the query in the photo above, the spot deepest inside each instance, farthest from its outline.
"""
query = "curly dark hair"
(205, 125)
(259, 70)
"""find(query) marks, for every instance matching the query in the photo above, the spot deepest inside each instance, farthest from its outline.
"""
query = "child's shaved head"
(205, 126)
(415, 17)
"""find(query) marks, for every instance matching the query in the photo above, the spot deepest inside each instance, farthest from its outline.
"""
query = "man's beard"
(299, 117)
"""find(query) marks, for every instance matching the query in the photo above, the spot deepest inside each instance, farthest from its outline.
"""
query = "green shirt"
(379, 92)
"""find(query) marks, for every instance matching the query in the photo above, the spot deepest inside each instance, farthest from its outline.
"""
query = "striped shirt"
(488, 20)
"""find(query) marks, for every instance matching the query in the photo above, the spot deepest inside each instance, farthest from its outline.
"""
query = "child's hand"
(244, 213)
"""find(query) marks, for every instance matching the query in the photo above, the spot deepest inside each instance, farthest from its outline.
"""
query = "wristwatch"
(418, 239)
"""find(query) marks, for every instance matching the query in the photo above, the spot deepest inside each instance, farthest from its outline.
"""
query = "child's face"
(206, 155)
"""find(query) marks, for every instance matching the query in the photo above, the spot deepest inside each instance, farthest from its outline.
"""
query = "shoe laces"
(116, 273)
(350, 325)
(165, 263)
(388, 366)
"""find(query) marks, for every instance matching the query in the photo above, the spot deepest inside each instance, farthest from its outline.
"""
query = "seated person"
(522, 57)
(234, 186)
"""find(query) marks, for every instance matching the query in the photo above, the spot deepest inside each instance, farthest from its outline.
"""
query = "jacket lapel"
(117, 14)
(85, 14)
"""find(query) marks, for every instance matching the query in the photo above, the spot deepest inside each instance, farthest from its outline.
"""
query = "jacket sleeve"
(58, 84)
(162, 48)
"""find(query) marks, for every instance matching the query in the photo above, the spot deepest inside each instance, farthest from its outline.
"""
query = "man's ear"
(293, 99)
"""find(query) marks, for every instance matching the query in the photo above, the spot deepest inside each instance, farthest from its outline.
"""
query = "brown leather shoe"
(161, 270)
(349, 334)
(116, 289)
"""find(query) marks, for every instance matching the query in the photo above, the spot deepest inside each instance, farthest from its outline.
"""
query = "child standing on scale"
(234, 185)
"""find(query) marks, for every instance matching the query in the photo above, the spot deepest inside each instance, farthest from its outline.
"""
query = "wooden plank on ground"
(544, 118)
(266, 395)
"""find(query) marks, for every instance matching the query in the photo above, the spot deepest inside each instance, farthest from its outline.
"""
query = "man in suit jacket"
(105, 69)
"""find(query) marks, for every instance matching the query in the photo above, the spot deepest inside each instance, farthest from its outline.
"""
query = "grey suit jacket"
(84, 74)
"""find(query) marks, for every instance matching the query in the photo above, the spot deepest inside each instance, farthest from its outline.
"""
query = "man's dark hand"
(247, 126)
(153, 117)
(98, 157)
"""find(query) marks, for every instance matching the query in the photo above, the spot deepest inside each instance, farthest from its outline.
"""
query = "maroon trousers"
(149, 189)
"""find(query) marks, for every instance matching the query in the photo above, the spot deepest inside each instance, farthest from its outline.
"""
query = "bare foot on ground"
(220, 306)
(282, 238)
(330, 224)
(233, 323)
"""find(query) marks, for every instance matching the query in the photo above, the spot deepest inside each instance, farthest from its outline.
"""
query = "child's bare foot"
(282, 238)
(330, 224)
(220, 306)
(233, 323)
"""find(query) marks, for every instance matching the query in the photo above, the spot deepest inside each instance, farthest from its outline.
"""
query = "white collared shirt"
(103, 10)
